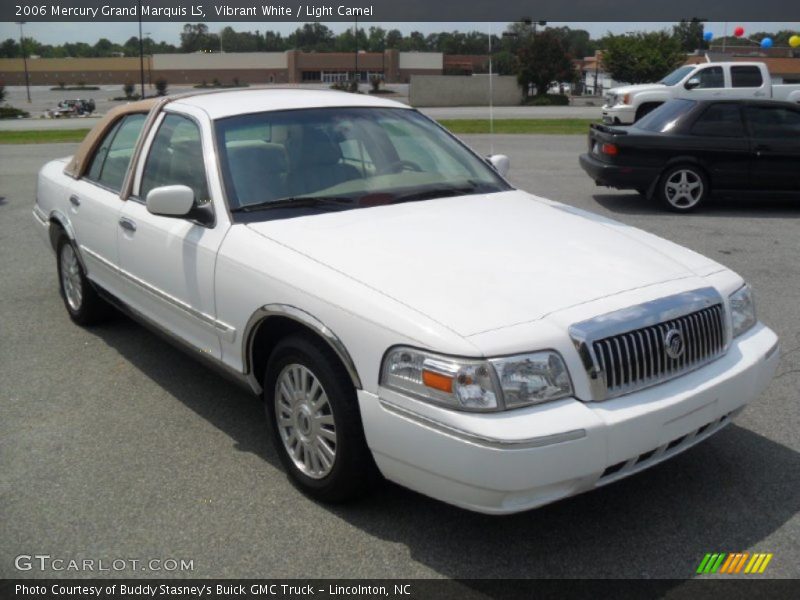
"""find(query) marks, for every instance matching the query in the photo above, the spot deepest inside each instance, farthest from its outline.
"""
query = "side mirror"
(170, 200)
(692, 83)
(501, 163)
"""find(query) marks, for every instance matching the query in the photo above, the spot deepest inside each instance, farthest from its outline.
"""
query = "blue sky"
(170, 32)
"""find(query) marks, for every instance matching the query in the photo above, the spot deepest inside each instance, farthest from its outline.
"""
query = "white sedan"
(399, 306)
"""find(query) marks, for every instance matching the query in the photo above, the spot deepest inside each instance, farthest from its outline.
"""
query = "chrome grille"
(638, 358)
(651, 343)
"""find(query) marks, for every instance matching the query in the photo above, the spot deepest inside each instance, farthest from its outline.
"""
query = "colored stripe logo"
(734, 563)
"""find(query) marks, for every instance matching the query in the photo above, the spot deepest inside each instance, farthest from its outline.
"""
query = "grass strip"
(42, 136)
(520, 126)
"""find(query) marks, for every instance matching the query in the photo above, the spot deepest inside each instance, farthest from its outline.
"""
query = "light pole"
(141, 46)
(24, 60)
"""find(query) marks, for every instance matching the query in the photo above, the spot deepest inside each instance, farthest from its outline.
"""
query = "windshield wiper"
(437, 192)
(295, 202)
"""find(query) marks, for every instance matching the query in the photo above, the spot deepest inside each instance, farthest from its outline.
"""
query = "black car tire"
(84, 305)
(303, 425)
(682, 188)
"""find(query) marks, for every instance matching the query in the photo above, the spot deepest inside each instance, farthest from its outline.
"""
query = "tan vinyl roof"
(80, 160)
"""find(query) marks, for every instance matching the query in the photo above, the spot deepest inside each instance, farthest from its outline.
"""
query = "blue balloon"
(708, 36)
(766, 43)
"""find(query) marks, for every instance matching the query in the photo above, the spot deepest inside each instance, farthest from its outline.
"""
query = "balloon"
(766, 43)
(708, 36)
(794, 41)
(739, 31)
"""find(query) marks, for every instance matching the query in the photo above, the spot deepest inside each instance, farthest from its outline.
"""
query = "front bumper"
(617, 176)
(619, 114)
(509, 462)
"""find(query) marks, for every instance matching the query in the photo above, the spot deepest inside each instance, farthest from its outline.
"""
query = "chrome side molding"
(267, 311)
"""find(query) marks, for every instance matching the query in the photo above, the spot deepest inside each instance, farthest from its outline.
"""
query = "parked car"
(706, 81)
(686, 149)
(398, 305)
(72, 108)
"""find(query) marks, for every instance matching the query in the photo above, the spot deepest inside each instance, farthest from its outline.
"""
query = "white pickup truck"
(723, 80)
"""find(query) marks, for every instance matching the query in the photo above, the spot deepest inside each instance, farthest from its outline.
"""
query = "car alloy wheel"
(71, 281)
(305, 421)
(684, 188)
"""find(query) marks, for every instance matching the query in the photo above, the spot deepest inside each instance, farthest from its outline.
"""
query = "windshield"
(665, 117)
(677, 75)
(342, 158)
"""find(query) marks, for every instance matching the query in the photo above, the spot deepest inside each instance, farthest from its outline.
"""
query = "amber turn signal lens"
(437, 381)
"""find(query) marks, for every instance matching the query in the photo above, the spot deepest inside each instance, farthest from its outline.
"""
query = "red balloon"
(738, 32)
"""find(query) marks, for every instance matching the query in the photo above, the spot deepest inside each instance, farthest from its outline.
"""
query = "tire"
(683, 188)
(315, 421)
(84, 305)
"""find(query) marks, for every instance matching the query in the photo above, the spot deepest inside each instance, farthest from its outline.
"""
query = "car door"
(719, 140)
(706, 84)
(168, 262)
(747, 81)
(95, 201)
(775, 142)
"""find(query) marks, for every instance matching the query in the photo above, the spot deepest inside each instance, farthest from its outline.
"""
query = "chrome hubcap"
(684, 188)
(71, 277)
(305, 421)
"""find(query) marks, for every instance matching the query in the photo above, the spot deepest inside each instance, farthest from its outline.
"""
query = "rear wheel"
(683, 188)
(83, 303)
(316, 425)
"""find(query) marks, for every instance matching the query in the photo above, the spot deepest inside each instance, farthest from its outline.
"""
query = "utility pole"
(357, 76)
(141, 45)
(24, 60)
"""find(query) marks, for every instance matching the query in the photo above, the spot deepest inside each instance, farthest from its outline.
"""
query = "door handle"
(761, 148)
(127, 224)
(74, 200)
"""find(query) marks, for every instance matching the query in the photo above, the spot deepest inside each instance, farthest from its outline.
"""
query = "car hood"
(481, 262)
(632, 89)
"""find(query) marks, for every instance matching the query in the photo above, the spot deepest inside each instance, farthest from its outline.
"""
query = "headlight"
(476, 385)
(743, 310)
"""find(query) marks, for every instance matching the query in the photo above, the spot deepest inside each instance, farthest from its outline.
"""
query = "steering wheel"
(405, 165)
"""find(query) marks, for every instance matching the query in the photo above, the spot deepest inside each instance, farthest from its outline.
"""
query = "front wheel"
(83, 303)
(683, 188)
(316, 425)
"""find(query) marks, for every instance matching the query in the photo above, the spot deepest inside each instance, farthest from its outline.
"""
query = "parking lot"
(113, 444)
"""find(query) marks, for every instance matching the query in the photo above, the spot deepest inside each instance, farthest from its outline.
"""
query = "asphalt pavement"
(113, 444)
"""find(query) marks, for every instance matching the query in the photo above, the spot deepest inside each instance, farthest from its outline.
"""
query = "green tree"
(196, 38)
(312, 37)
(9, 49)
(543, 59)
(690, 35)
(394, 39)
(104, 47)
(376, 39)
(641, 57)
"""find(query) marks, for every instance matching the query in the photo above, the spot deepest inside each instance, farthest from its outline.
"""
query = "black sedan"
(684, 149)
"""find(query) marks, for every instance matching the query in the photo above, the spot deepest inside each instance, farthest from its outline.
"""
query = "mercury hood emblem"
(674, 345)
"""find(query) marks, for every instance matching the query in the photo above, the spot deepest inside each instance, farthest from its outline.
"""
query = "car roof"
(221, 104)
(747, 102)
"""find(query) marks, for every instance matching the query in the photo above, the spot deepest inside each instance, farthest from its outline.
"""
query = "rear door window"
(776, 122)
(746, 77)
(113, 156)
